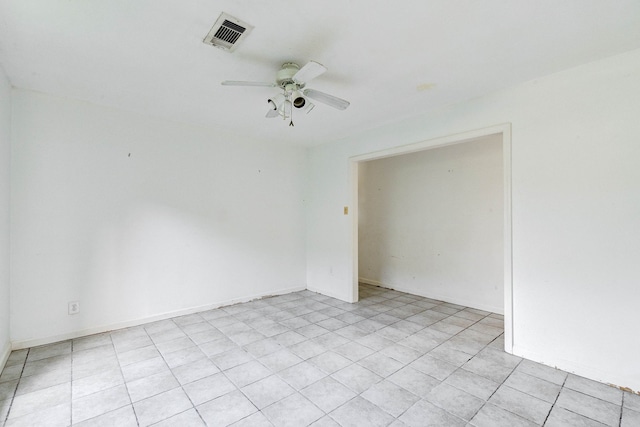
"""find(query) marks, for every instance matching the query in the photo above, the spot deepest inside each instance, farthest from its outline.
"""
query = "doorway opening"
(427, 253)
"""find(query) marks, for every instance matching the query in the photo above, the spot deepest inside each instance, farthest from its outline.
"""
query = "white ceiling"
(147, 55)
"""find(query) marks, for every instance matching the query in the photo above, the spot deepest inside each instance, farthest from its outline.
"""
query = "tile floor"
(304, 359)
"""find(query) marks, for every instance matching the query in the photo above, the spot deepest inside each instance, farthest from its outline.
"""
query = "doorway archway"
(504, 133)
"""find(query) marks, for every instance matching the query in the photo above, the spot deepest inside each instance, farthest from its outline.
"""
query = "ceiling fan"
(293, 80)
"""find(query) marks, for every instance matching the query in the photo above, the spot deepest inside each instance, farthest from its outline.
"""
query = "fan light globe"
(276, 101)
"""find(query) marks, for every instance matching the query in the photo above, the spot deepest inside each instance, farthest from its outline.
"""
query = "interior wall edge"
(435, 296)
(4, 355)
(6, 105)
(18, 345)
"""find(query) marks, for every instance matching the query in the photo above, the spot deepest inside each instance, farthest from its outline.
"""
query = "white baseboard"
(612, 379)
(17, 345)
(4, 354)
(436, 296)
(329, 294)
(372, 282)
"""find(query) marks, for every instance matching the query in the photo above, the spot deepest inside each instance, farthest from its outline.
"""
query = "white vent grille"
(227, 32)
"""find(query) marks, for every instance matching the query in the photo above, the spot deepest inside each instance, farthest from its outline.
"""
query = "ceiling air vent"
(227, 32)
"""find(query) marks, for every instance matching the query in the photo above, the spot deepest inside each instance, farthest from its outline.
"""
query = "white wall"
(575, 209)
(431, 223)
(5, 192)
(136, 218)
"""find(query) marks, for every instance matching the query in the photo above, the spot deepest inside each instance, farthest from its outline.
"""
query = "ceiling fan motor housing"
(284, 76)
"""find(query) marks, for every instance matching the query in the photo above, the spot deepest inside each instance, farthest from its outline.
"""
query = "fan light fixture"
(293, 79)
(283, 103)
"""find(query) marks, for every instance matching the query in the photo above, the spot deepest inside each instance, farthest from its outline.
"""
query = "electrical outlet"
(74, 307)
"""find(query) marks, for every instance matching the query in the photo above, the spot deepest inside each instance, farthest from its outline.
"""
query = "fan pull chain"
(291, 114)
(284, 104)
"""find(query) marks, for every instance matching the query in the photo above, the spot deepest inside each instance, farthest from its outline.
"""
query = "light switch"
(346, 210)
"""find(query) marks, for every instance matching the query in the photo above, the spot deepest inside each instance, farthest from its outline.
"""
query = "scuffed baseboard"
(613, 379)
(330, 294)
(439, 297)
(16, 345)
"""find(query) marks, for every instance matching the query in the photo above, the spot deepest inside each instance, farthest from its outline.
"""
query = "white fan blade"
(237, 83)
(309, 72)
(272, 113)
(325, 98)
